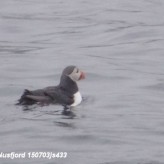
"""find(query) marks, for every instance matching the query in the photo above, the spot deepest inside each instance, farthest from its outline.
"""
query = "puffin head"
(73, 73)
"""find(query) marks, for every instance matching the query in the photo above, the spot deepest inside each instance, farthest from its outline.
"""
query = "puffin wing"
(47, 95)
(32, 97)
(59, 96)
(38, 98)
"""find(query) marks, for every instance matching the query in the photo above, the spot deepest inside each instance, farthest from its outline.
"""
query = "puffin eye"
(77, 71)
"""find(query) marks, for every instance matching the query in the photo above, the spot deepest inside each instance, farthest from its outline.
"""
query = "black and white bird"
(66, 93)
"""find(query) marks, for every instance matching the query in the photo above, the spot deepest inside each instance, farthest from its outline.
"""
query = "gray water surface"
(120, 46)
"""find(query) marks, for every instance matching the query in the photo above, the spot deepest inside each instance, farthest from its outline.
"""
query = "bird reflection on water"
(67, 111)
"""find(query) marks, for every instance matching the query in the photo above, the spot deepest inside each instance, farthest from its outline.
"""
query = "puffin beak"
(82, 76)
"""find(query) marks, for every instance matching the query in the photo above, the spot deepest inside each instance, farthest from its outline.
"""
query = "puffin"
(66, 93)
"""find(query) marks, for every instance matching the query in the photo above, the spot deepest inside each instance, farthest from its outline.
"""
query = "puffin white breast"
(77, 99)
